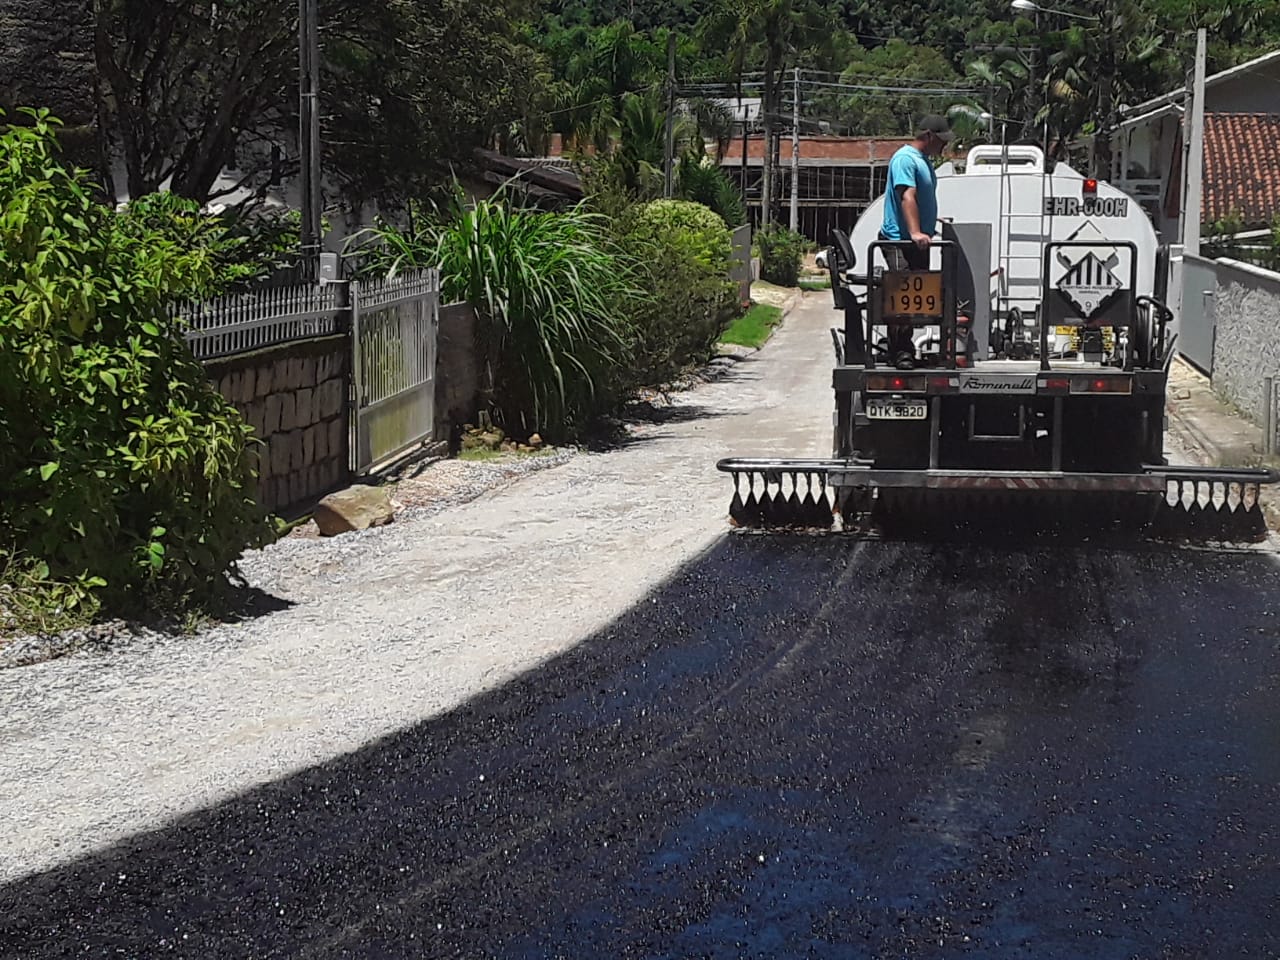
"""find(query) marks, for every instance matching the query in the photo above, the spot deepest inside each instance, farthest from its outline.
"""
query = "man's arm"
(911, 213)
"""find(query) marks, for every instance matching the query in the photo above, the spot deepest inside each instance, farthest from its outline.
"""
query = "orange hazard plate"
(911, 294)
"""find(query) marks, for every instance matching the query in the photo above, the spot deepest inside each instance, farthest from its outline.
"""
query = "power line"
(606, 99)
(874, 76)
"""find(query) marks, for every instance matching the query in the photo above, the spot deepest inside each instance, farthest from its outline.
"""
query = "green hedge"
(683, 251)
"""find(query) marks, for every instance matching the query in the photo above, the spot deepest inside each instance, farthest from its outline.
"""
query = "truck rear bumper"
(846, 473)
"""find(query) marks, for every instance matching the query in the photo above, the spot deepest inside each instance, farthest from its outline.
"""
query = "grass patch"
(480, 454)
(815, 283)
(754, 327)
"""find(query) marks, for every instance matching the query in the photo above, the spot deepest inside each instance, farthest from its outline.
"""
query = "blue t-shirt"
(910, 168)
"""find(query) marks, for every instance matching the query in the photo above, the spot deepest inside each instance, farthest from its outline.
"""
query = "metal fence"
(393, 331)
(393, 326)
(244, 322)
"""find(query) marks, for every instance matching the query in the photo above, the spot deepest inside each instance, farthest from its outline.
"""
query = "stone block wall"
(295, 398)
(1246, 344)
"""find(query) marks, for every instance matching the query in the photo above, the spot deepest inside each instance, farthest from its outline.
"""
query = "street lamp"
(1030, 6)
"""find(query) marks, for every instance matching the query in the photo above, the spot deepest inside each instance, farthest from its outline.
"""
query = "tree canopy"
(190, 88)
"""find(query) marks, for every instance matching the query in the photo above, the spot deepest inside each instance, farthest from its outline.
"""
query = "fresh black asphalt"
(798, 747)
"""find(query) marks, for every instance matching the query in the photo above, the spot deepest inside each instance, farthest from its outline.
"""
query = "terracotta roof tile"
(1242, 167)
(814, 149)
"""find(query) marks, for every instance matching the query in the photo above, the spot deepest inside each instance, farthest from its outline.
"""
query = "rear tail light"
(1090, 187)
(1104, 384)
(1055, 385)
(897, 382)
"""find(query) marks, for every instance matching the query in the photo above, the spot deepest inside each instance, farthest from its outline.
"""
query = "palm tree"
(1005, 76)
(713, 121)
(774, 31)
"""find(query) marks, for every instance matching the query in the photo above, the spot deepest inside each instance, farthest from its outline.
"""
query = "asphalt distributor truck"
(1041, 363)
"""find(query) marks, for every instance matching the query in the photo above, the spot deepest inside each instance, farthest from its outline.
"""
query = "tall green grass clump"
(553, 297)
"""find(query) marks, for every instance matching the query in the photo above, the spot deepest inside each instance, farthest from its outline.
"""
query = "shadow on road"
(796, 747)
(622, 432)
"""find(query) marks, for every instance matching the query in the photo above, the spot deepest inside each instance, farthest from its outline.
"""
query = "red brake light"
(1091, 186)
(911, 383)
(1102, 385)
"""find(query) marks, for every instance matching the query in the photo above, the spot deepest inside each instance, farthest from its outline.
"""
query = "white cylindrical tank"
(1025, 207)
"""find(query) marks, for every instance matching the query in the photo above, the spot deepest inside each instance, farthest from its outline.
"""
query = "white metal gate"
(393, 330)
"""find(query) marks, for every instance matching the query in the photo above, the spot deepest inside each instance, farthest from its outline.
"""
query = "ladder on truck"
(1021, 239)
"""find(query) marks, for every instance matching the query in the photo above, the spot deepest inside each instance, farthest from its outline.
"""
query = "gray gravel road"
(573, 719)
(373, 632)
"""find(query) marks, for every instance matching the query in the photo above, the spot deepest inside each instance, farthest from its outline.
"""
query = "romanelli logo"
(979, 383)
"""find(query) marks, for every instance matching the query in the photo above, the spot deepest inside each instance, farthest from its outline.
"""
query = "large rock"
(355, 508)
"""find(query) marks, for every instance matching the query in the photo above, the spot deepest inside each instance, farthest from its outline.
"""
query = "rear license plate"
(897, 410)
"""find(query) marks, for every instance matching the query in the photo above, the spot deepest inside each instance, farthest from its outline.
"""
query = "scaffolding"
(832, 193)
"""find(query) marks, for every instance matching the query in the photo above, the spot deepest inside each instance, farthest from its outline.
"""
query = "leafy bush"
(551, 294)
(696, 228)
(242, 246)
(125, 473)
(781, 252)
(706, 183)
(683, 249)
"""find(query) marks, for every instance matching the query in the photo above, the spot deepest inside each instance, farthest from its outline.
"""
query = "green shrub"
(550, 292)
(781, 252)
(683, 250)
(696, 228)
(124, 472)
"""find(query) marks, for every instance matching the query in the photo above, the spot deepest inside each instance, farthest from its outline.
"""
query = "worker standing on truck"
(911, 214)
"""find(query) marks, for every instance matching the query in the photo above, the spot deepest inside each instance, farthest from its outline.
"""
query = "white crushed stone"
(364, 634)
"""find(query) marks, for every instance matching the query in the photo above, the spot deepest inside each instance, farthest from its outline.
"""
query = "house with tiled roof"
(1242, 167)
(1241, 149)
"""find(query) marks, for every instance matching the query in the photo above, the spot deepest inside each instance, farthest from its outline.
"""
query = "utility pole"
(795, 151)
(1193, 167)
(309, 126)
(669, 158)
(768, 114)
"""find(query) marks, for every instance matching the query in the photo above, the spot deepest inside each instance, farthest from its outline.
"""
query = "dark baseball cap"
(936, 125)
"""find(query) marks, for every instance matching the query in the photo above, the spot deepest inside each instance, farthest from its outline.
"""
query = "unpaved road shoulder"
(401, 625)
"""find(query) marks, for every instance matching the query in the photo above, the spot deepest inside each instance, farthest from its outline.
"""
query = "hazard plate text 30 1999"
(911, 294)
